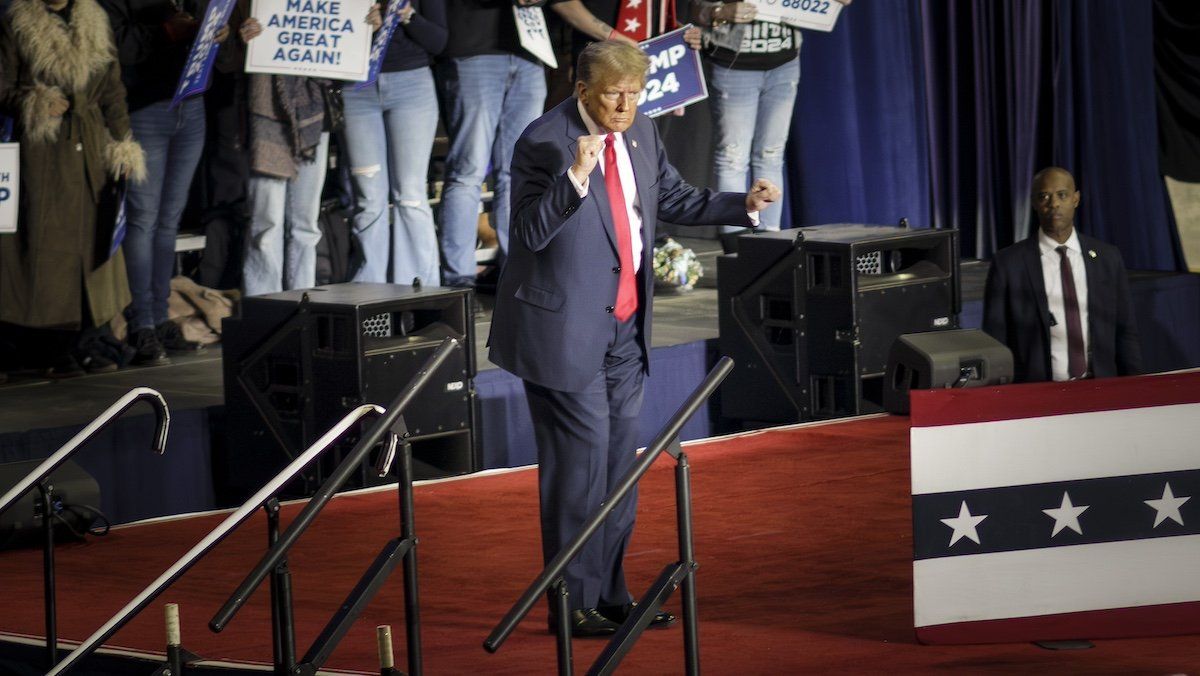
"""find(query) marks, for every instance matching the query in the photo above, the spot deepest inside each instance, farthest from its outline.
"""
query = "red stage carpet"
(803, 538)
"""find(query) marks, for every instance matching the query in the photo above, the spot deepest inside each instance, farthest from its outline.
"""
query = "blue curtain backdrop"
(941, 112)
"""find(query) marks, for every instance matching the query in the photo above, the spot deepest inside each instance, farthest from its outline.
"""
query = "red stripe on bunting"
(933, 408)
(1157, 620)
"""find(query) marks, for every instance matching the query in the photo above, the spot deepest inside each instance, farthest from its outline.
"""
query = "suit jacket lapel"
(1092, 270)
(1033, 267)
(643, 157)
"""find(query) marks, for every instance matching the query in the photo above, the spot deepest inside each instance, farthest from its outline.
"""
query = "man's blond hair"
(607, 61)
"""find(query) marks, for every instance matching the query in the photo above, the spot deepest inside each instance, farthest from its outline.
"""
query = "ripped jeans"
(752, 112)
(389, 133)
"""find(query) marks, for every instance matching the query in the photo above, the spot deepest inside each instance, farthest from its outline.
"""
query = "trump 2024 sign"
(675, 78)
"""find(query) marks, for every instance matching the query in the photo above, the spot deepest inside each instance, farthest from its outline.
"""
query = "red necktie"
(1076, 356)
(627, 300)
(633, 19)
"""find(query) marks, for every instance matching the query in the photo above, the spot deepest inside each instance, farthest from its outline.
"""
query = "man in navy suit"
(590, 180)
(1060, 300)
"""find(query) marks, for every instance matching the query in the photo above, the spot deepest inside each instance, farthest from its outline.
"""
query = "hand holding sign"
(586, 156)
(375, 17)
(250, 29)
(762, 195)
(734, 12)
(675, 78)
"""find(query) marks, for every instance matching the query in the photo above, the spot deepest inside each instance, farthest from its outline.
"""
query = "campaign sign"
(820, 15)
(675, 78)
(313, 38)
(534, 35)
(10, 184)
(196, 74)
(383, 37)
(120, 221)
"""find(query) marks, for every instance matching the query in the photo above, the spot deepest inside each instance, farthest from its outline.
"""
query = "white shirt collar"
(1048, 244)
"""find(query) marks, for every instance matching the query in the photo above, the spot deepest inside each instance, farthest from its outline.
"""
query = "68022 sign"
(675, 78)
(814, 14)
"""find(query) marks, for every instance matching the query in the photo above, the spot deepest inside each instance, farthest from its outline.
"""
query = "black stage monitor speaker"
(808, 315)
(75, 497)
(296, 362)
(924, 361)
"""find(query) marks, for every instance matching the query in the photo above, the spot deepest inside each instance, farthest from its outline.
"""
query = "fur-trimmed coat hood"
(63, 58)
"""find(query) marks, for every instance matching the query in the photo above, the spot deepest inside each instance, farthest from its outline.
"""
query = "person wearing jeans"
(755, 78)
(491, 98)
(388, 140)
(152, 39)
(281, 245)
(491, 90)
(288, 143)
(173, 141)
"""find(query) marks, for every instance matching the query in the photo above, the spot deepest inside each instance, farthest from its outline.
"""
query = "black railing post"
(49, 593)
(412, 606)
(687, 557)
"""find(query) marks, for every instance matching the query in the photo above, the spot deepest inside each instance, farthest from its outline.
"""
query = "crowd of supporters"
(89, 87)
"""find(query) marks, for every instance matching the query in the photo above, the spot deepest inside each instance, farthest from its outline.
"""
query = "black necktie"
(1076, 356)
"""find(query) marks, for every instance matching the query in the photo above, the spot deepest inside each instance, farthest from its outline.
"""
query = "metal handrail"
(68, 449)
(305, 518)
(38, 477)
(554, 570)
(213, 538)
(387, 424)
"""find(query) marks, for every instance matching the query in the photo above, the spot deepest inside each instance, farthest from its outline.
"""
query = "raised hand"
(586, 155)
(762, 195)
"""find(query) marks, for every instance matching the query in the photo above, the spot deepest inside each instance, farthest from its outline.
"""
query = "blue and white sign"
(675, 78)
(819, 15)
(534, 35)
(121, 222)
(312, 38)
(196, 74)
(383, 38)
(10, 185)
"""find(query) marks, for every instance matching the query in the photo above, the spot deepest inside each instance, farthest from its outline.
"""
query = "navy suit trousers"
(587, 442)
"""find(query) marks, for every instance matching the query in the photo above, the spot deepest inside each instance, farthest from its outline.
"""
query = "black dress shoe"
(586, 623)
(618, 614)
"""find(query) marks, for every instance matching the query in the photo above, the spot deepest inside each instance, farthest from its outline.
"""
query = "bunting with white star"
(633, 19)
(1057, 510)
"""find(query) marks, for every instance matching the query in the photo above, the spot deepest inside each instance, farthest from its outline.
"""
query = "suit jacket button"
(617, 268)
(609, 309)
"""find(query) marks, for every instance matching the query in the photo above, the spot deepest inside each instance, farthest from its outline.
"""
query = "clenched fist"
(586, 156)
(762, 195)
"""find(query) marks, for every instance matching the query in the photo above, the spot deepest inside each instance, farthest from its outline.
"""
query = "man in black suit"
(1059, 299)
(590, 179)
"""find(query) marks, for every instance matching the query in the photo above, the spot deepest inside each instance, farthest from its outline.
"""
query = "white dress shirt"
(1052, 276)
(628, 184)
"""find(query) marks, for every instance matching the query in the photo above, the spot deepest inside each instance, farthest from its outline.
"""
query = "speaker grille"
(379, 326)
(870, 263)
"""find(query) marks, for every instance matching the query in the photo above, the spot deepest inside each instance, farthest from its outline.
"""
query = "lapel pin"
(634, 142)
(1092, 253)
